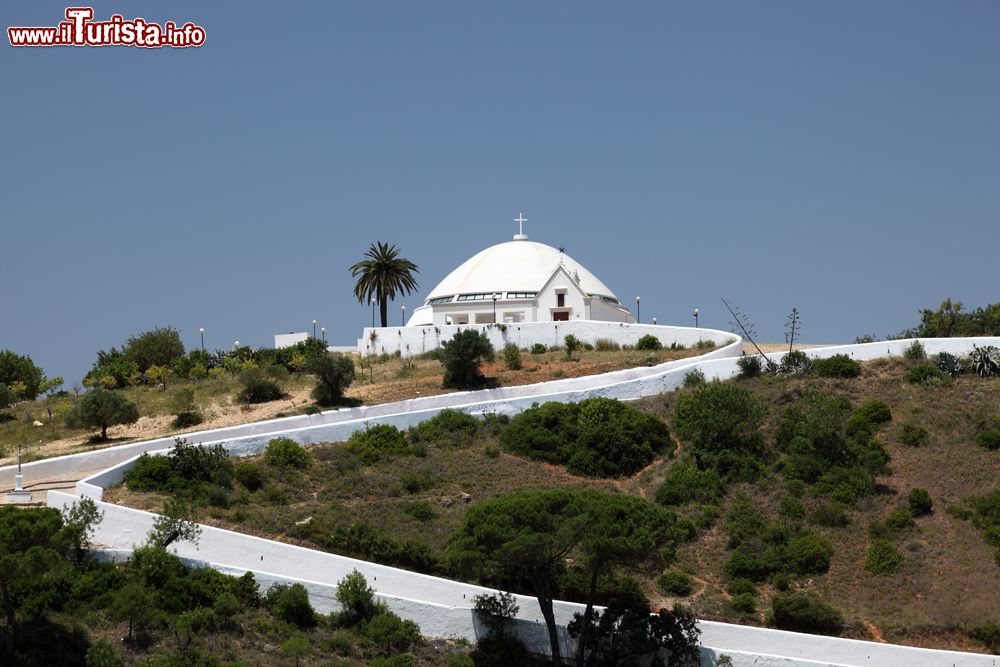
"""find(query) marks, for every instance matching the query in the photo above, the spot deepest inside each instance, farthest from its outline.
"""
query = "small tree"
(512, 356)
(462, 356)
(16, 368)
(296, 647)
(80, 520)
(161, 346)
(101, 408)
(573, 345)
(356, 598)
(334, 373)
(175, 523)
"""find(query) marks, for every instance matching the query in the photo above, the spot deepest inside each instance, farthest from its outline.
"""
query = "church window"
(521, 295)
(440, 299)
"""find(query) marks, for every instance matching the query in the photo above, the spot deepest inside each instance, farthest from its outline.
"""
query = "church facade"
(519, 281)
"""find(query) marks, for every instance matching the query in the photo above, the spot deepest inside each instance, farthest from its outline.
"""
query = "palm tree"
(383, 273)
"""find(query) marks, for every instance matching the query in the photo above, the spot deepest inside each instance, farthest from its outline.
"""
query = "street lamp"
(402, 322)
(695, 318)
(654, 320)
(202, 332)
(373, 312)
(637, 318)
(314, 328)
(236, 344)
(494, 307)
(322, 330)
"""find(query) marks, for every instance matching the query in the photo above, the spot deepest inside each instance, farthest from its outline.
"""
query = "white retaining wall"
(411, 341)
(251, 435)
(442, 607)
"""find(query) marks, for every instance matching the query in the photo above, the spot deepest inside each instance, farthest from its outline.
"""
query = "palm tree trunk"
(383, 310)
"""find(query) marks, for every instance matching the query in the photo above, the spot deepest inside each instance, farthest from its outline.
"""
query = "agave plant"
(985, 361)
(949, 364)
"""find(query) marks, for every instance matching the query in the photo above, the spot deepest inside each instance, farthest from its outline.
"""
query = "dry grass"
(382, 381)
(946, 585)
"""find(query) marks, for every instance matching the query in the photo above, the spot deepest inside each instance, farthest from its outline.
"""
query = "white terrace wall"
(410, 341)
(475, 402)
(442, 607)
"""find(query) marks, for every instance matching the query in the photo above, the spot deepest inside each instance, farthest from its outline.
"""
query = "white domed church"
(519, 281)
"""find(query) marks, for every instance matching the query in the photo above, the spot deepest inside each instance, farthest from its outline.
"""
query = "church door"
(560, 316)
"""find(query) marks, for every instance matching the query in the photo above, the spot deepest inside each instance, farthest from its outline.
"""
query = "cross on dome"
(520, 220)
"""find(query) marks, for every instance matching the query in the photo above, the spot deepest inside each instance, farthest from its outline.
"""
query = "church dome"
(515, 266)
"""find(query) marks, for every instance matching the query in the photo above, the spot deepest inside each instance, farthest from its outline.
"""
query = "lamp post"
(402, 322)
(695, 318)
(322, 330)
(494, 307)
(202, 332)
(373, 312)
(314, 328)
(236, 344)
(638, 320)
(654, 320)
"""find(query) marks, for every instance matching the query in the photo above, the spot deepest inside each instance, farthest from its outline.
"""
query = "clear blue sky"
(842, 158)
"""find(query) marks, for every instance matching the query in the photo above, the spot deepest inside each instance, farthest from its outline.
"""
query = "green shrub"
(721, 423)
(356, 598)
(420, 479)
(796, 362)
(290, 604)
(606, 345)
(741, 587)
(923, 374)
(804, 613)
(693, 378)
(830, 516)
(915, 351)
(791, 508)
(883, 557)
(685, 483)
(462, 356)
(185, 468)
(598, 437)
(249, 475)
(573, 345)
(538, 348)
(899, 520)
(258, 387)
(448, 428)
(989, 634)
(875, 412)
(988, 439)
(377, 442)
(809, 554)
(675, 582)
(391, 633)
(837, 366)
(334, 374)
(920, 502)
(744, 563)
(750, 367)
(648, 342)
(512, 356)
(914, 436)
(100, 408)
(421, 510)
(286, 453)
(743, 603)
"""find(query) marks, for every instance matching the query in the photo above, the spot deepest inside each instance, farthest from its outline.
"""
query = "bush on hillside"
(101, 408)
(685, 483)
(883, 557)
(648, 342)
(721, 423)
(462, 356)
(675, 582)
(919, 501)
(286, 453)
(512, 356)
(912, 435)
(539, 348)
(750, 367)
(923, 374)
(334, 374)
(988, 439)
(290, 604)
(598, 437)
(804, 613)
(377, 442)
(837, 366)
(185, 467)
(448, 428)
(20, 372)
(915, 351)
(258, 387)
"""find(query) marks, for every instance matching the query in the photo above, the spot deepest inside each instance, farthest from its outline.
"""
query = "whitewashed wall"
(475, 402)
(411, 341)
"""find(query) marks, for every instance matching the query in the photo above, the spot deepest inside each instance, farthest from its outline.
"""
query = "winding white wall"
(441, 606)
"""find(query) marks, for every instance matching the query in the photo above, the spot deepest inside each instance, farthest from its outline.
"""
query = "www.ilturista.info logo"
(80, 30)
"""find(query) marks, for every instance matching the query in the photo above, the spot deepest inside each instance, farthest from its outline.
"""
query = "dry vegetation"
(945, 586)
(385, 379)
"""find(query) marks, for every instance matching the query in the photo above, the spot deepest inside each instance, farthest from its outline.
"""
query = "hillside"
(377, 380)
(401, 509)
